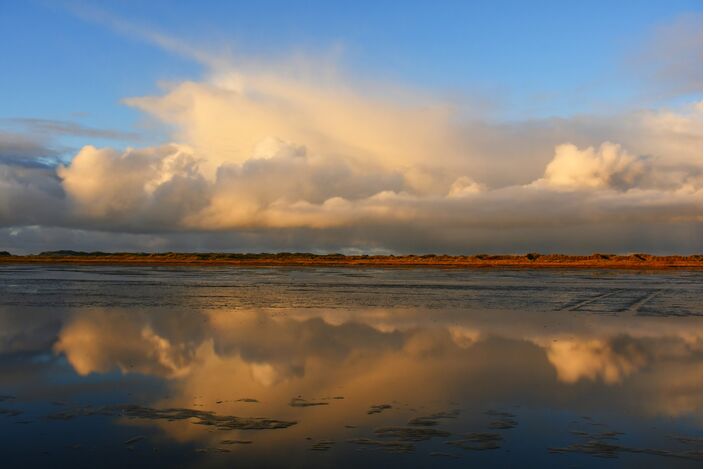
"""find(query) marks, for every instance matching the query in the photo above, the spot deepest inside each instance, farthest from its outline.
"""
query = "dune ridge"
(530, 260)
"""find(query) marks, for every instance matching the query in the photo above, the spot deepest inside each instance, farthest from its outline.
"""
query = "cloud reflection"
(273, 356)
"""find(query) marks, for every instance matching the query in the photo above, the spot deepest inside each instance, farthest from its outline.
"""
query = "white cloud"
(290, 158)
(146, 186)
(609, 166)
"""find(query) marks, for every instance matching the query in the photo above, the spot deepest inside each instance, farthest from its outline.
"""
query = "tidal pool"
(324, 367)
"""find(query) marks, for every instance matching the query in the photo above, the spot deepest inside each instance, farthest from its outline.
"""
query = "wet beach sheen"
(110, 366)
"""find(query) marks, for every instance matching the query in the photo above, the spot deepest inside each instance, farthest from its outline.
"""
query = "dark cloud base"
(679, 238)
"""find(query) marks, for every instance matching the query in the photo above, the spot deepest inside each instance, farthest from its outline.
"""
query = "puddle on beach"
(280, 367)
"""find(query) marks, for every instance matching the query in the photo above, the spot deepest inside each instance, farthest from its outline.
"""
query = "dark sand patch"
(688, 440)
(389, 446)
(503, 424)
(410, 433)
(134, 440)
(478, 441)
(602, 445)
(300, 402)
(322, 445)
(378, 408)
(236, 442)
(498, 413)
(444, 455)
(432, 419)
(200, 417)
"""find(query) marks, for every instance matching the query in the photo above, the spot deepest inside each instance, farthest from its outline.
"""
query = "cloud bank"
(289, 159)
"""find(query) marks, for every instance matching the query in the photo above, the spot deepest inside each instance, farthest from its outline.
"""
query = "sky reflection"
(534, 379)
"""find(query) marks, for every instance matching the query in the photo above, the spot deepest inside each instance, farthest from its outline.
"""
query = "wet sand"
(146, 366)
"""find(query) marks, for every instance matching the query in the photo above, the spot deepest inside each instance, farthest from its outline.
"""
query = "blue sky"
(520, 59)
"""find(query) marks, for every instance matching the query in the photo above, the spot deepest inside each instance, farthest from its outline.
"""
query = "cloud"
(670, 59)
(329, 118)
(18, 149)
(145, 187)
(33, 142)
(53, 127)
(144, 33)
(30, 196)
(281, 158)
(609, 166)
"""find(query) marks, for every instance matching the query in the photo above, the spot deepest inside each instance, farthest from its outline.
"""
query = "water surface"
(270, 367)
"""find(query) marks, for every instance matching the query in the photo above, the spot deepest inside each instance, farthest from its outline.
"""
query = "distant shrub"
(63, 253)
(335, 255)
(533, 256)
(233, 255)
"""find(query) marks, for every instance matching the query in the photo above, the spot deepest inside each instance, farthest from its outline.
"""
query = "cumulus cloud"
(144, 187)
(609, 166)
(292, 158)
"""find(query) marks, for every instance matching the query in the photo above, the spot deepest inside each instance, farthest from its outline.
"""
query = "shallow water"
(269, 367)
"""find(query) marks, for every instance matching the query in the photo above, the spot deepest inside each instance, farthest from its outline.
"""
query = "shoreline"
(538, 261)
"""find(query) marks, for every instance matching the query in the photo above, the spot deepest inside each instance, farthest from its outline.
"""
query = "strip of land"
(531, 260)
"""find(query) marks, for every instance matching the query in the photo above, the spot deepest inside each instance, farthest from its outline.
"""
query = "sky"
(375, 127)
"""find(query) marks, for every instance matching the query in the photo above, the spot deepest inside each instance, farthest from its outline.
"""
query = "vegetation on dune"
(533, 259)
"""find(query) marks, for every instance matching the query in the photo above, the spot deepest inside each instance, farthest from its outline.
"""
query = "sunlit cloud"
(275, 148)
